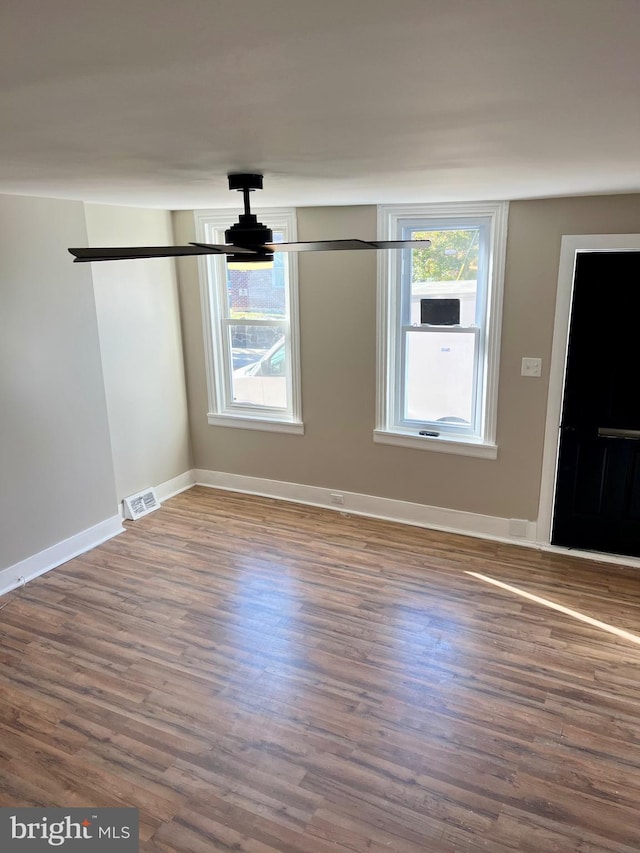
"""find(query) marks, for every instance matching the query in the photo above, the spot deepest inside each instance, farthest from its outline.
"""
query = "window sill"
(266, 424)
(441, 444)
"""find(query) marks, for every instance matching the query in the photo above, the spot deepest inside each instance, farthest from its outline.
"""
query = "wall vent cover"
(135, 506)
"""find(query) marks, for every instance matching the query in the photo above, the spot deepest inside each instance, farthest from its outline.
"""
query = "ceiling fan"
(248, 242)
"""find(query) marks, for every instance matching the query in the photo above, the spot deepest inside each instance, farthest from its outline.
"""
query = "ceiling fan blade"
(123, 253)
(337, 245)
(402, 244)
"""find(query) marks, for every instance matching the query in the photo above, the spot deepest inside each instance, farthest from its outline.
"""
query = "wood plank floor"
(259, 676)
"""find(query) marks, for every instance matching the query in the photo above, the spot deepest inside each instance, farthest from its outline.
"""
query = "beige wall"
(338, 326)
(56, 476)
(141, 346)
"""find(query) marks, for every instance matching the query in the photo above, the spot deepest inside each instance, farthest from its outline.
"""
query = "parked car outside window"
(264, 382)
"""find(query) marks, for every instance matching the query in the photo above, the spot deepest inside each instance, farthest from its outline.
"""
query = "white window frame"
(222, 410)
(390, 368)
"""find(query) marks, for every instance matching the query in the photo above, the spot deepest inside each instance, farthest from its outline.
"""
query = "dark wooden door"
(597, 500)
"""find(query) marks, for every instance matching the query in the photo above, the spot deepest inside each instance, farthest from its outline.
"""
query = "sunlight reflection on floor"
(619, 632)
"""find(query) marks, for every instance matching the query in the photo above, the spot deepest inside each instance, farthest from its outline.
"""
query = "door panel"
(597, 501)
(589, 468)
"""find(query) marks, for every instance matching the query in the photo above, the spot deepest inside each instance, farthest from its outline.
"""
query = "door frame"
(571, 245)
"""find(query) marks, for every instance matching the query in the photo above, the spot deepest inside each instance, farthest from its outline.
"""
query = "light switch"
(531, 367)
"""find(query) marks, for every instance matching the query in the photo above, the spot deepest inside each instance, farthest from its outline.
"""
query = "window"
(439, 327)
(251, 331)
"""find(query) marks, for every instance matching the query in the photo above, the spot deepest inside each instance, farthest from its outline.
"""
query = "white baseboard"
(513, 531)
(420, 515)
(36, 565)
(174, 486)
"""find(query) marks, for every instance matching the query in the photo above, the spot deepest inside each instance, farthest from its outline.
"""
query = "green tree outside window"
(452, 256)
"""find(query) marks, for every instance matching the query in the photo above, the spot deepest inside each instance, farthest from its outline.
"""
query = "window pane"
(440, 377)
(263, 378)
(250, 343)
(447, 270)
(258, 294)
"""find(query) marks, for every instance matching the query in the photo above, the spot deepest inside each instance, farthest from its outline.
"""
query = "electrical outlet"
(337, 498)
(531, 367)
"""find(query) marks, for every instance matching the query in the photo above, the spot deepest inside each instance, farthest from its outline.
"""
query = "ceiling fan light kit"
(249, 243)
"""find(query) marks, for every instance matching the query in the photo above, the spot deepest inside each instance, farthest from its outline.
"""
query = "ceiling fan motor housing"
(248, 232)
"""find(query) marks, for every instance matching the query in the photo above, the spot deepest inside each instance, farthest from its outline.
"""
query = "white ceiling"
(153, 102)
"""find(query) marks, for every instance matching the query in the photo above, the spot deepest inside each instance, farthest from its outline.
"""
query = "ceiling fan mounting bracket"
(244, 181)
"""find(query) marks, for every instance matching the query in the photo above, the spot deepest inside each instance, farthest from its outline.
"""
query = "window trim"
(387, 330)
(246, 417)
